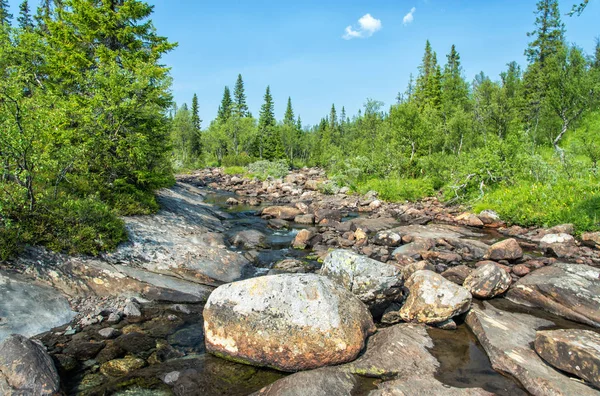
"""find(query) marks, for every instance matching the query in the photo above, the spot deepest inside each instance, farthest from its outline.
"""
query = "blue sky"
(299, 49)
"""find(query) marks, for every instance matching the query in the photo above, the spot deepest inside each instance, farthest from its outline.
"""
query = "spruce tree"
(5, 16)
(596, 59)
(239, 97)
(548, 34)
(333, 121)
(288, 118)
(196, 139)
(428, 86)
(25, 20)
(272, 147)
(455, 89)
(225, 109)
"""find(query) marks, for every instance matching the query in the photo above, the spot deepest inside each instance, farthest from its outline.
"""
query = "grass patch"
(235, 170)
(396, 190)
(546, 205)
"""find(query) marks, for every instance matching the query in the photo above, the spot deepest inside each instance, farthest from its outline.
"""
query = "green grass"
(396, 190)
(235, 170)
(532, 204)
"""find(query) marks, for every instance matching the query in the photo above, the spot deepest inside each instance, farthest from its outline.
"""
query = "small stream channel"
(463, 362)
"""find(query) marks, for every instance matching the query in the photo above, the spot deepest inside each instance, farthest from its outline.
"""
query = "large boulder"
(508, 249)
(487, 281)
(433, 299)
(26, 368)
(508, 338)
(424, 386)
(373, 282)
(324, 381)
(575, 351)
(568, 290)
(281, 212)
(289, 322)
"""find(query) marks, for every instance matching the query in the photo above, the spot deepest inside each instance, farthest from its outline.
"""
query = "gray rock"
(508, 338)
(108, 332)
(305, 219)
(550, 239)
(568, 290)
(371, 281)
(249, 239)
(305, 321)
(26, 368)
(387, 238)
(488, 281)
(29, 308)
(132, 309)
(289, 266)
(424, 386)
(457, 274)
(433, 299)
(575, 351)
(324, 381)
(413, 249)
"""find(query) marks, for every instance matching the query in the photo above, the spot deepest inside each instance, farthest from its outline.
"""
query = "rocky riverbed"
(316, 294)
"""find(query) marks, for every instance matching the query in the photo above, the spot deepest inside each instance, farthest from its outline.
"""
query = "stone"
(507, 249)
(413, 249)
(305, 219)
(550, 239)
(29, 308)
(433, 299)
(328, 214)
(289, 322)
(489, 217)
(122, 367)
(521, 270)
(108, 332)
(191, 336)
(289, 266)
(488, 281)
(457, 274)
(411, 268)
(508, 338)
(576, 352)
(132, 309)
(469, 219)
(281, 212)
(312, 185)
(373, 282)
(562, 229)
(26, 368)
(591, 239)
(135, 343)
(568, 290)
(278, 224)
(82, 349)
(424, 386)
(323, 381)
(302, 239)
(232, 201)
(249, 239)
(387, 238)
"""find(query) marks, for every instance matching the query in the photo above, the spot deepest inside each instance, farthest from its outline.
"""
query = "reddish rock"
(281, 212)
(302, 239)
(487, 281)
(446, 257)
(457, 274)
(521, 270)
(469, 219)
(507, 249)
(591, 239)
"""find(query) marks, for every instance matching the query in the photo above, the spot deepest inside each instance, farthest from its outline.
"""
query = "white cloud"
(367, 26)
(408, 18)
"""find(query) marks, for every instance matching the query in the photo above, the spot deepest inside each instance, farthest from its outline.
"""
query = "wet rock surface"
(487, 281)
(508, 340)
(289, 322)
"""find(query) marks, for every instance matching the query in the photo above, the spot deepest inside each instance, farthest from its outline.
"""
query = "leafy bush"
(263, 169)
(237, 160)
(234, 170)
(545, 204)
(395, 190)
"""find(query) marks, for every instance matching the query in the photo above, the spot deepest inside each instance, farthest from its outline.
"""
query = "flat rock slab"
(424, 387)
(29, 308)
(568, 290)
(289, 322)
(575, 351)
(324, 381)
(508, 338)
(397, 351)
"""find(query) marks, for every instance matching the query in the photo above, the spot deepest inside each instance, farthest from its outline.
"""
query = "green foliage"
(397, 190)
(548, 204)
(83, 112)
(234, 170)
(237, 160)
(264, 169)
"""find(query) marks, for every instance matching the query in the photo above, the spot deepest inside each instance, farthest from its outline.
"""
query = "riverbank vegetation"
(83, 123)
(525, 143)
